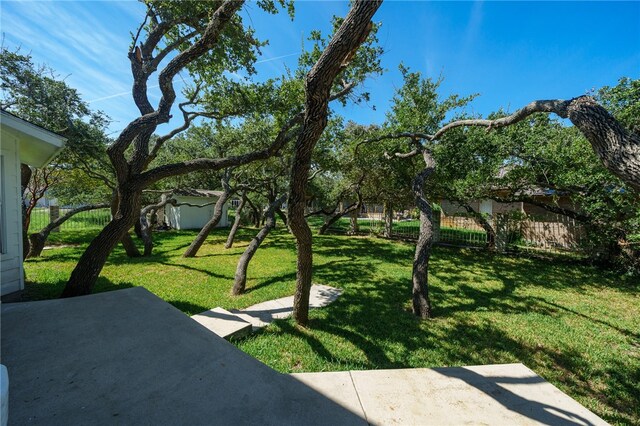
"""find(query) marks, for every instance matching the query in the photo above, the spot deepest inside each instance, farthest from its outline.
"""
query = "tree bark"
(617, 147)
(37, 240)
(354, 226)
(148, 223)
(25, 177)
(129, 245)
(352, 32)
(240, 280)
(283, 216)
(93, 259)
(127, 242)
(236, 223)
(484, 223)
(420, 277)
(192, 250)
(388, 220)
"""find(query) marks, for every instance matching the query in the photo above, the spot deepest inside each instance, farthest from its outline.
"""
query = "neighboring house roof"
(37, 145)
(198, 193)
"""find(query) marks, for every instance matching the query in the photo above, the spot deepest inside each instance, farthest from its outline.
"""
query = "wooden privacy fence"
(555, 234)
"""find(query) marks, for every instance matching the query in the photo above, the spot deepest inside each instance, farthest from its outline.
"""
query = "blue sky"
(508, 52)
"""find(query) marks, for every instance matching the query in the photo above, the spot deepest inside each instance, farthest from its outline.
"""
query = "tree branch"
(150, 120)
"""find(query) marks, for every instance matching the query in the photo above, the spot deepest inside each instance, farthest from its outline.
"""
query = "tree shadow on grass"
(372, 315)
(375, 356)
(464, 343)
(192, 268)
(52, 290)
(291, 276)
(187, 307)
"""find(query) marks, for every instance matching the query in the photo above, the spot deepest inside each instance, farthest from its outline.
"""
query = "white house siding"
(187, 217)
(11, 278)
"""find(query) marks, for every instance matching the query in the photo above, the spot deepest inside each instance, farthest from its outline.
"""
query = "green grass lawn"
(575, 325)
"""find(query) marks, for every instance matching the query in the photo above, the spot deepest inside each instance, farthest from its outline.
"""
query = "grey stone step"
(223, 323)
(238, 323)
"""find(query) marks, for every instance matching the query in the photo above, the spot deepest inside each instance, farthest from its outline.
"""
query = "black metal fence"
(550, 234)
(86, 220)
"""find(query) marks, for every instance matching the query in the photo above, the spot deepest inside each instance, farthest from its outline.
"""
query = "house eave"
(37, 146)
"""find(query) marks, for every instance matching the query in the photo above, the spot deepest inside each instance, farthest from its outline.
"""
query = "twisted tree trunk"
(255, 213)
(37, 240)
(282, 215)
(93, 259)
(617, 147)
(236, 223)
(192, 250)
(127, 242)
(420, 277)
(240, 280)
(352, 32)
(133, 151)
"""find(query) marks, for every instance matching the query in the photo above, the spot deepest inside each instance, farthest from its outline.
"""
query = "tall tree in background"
(418, 110)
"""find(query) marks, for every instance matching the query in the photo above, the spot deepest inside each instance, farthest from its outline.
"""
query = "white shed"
(20, 142)
(192, 217)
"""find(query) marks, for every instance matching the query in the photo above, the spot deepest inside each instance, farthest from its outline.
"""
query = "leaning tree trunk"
(129, 245)
(420, 301)
(240, 280)
(86, 272)
(127, 242)
(37, 240)
(148, 218)
(282, 215)
(25, 177)
(484, 223)
(617, 147)
(236, 223)
(192, 250)
(339, 214)
(255, 213)
(146, 229)
(352, 33)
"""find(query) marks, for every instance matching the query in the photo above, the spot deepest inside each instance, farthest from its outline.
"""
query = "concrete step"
(223, 323)
(241, 322)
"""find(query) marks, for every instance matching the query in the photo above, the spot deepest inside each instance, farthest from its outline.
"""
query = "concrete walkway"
(506, 394)
(128, 357)
(237, 323)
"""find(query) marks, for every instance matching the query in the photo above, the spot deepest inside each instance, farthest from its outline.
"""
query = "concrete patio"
(127, 357)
